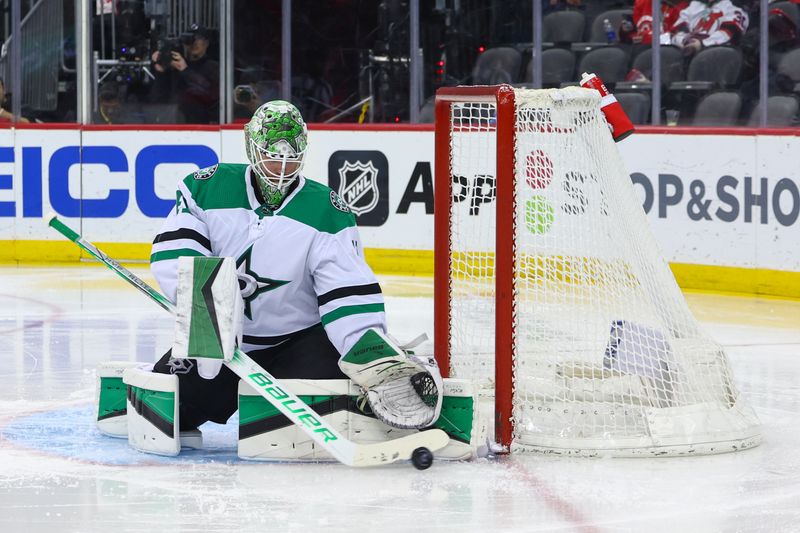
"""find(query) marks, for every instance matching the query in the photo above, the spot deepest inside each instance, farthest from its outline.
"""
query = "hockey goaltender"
(308, 309)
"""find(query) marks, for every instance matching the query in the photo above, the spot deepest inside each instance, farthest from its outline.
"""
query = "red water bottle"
(621, 125)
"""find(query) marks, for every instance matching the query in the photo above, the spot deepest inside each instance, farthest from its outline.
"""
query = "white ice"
(58, 474)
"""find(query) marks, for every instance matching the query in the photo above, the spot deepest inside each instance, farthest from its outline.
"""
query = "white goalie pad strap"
(209, 311)
(403, 389)
(111, 398)
(153, 418)
(265, 435)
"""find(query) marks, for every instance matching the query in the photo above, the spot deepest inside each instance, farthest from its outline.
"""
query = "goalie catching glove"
(403, 390)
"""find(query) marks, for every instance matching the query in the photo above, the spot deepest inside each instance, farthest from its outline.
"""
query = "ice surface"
(57, 473)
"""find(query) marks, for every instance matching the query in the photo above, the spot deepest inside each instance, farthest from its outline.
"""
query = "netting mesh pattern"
(608, 358)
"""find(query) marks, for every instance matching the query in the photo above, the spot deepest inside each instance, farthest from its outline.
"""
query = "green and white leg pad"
(267, 435)
(112, 397)
(135, 404)
(153, 416)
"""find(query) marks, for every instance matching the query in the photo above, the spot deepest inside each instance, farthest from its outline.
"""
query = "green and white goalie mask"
(275, 141)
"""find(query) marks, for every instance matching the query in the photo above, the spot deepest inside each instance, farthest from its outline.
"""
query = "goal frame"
(505, 181)
(665, 387)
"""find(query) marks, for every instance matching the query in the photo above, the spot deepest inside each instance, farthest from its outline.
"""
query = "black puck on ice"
(421, 458)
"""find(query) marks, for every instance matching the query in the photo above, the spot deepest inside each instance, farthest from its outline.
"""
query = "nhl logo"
(358, 186)
(361, 178)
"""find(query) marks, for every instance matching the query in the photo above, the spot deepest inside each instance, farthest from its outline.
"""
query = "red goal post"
(503, 97)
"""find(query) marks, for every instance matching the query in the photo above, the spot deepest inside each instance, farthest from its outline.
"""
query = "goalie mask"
(275, 142)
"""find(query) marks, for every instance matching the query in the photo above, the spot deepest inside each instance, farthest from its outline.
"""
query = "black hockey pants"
(309, 354)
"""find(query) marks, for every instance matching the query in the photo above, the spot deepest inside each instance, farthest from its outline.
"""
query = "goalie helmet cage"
(550, 288)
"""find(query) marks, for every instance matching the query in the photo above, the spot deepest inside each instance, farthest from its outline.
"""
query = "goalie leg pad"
(463, 420)
(153, 414)
(266, 435)
(112, 393)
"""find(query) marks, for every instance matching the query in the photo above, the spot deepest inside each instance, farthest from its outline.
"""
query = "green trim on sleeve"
(174, 254)
(348, 310)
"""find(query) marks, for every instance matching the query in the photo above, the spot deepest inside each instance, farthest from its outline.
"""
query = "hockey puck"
(422, 458)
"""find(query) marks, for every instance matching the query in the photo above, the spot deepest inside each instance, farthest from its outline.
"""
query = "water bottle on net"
(618, 121)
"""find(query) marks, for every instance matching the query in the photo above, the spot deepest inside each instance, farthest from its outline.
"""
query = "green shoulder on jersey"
(220, 186)
(320, 207)
(223, 186)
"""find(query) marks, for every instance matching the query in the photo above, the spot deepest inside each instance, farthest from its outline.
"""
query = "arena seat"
(497, 65)
(718, 109)
(558, 66)
(636, 106)
(713, 67)
(563, 27)
(781, 112)
(789, 66)
(609, 63)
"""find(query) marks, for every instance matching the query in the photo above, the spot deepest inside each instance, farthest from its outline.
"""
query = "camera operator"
(245, 101)
(187, 76)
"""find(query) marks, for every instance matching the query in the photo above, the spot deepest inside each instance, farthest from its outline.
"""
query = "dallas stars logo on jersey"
(251, 284)
(205, 173)
(339, 203)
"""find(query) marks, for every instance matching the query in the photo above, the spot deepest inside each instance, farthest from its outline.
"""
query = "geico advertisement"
(719, 200)
(116, 186)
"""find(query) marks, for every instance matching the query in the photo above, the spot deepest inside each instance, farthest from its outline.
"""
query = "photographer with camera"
(245, 101)
(187, 76)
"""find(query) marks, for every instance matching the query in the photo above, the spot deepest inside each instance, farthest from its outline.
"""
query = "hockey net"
(551, 292)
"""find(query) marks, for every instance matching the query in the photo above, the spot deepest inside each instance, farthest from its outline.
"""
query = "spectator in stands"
(190, 79)
(783, 37)
(709, 23)
(643, 21)
(5, 114)
(110, 109)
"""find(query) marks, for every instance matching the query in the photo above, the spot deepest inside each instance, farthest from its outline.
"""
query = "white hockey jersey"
(299, 266)
(714, 23)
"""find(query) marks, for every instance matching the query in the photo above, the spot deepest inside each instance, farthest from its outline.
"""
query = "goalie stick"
(345, 451)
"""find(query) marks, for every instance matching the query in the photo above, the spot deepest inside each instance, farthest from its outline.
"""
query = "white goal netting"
(608, 359)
